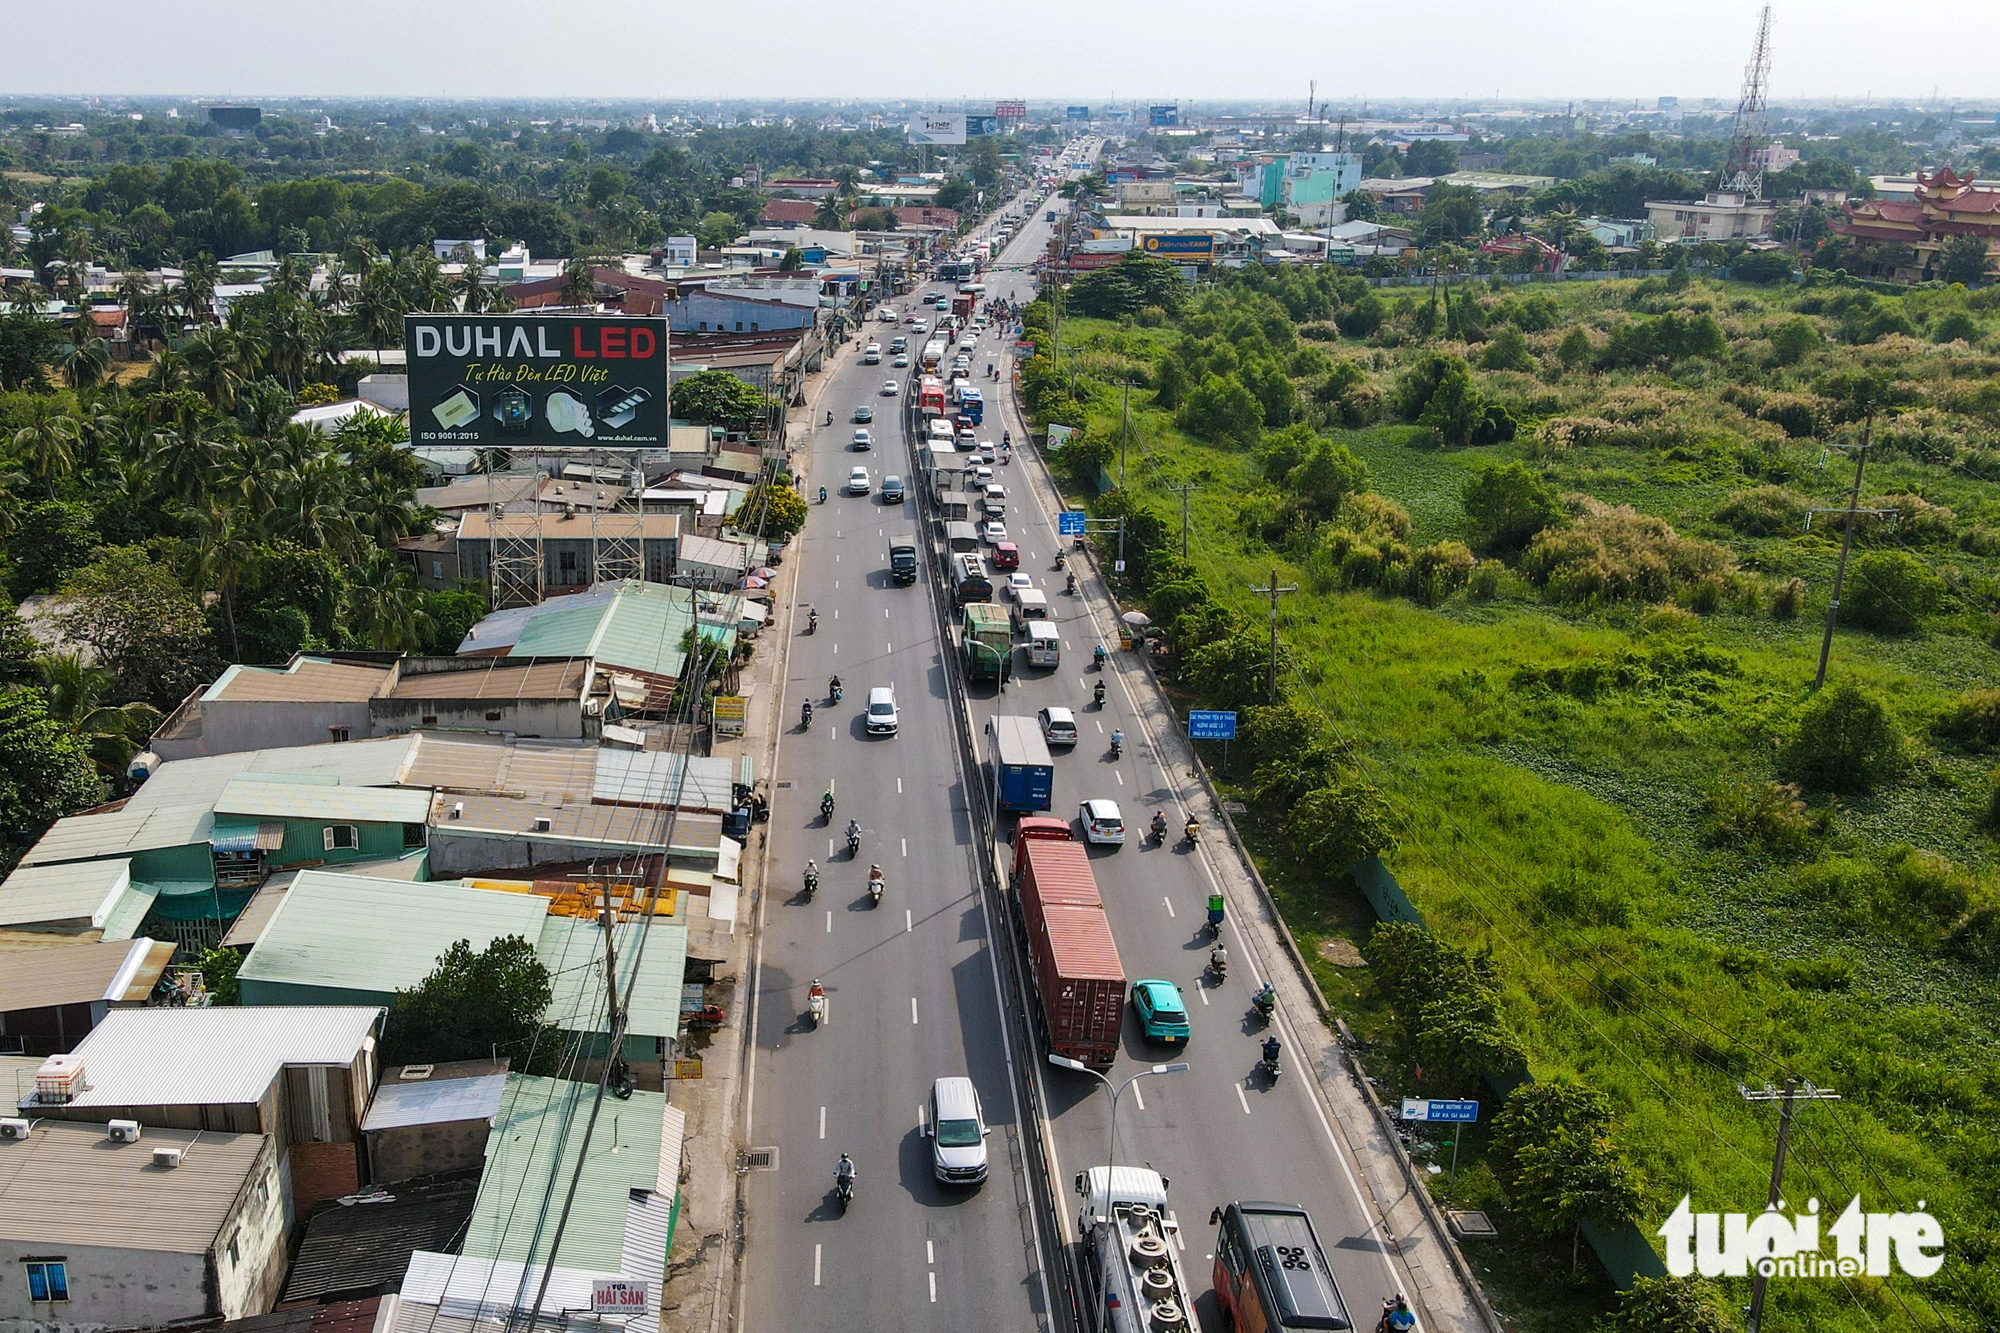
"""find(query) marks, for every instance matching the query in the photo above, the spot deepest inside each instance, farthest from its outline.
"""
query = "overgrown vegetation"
(1564, 559)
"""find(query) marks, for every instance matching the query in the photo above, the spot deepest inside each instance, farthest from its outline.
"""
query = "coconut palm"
(377, 309)
(112, 733)
(382, 604)
(578, 286)
(199, 277)
(46, 440)
(215, 363)
(84, 357)
(473, 293)
(223, 551)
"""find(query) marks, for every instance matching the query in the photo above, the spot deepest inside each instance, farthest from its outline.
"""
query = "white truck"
(1131, 1261)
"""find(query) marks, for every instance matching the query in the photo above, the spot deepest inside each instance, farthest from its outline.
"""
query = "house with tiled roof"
(788, 213)
(1900, 238)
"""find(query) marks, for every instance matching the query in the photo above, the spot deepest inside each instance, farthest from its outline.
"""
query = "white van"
(1044, 644)
(1031, 607)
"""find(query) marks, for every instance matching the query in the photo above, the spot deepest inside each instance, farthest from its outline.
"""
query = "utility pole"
(1794, 1092)
(1125, 432)
(1272, 590)
(606, 919)
(1183, 492)
(1846, 542)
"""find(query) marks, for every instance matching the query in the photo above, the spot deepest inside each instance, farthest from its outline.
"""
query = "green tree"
(45, 771)
(1232, 671)
(718, 398)
(1670, 1305)
(1455, 409)
(1127, 287)
(1794, 339)
(1552, 1147)
(110, 733)
(46, 441)
(50, 538)
(1328, 475)
(1335, 826)
(1575, 349)
(1508, 350)
(1846, 741)
(28, 344)
(218, 968)
(1765, 267)
(1222, 408)
(1506, 504)
(470, 1004)
(146, 629)
(1963, 259)
(447, 616)
(1447, 1005)
(780, 508)
(1361, 206)
(1890, 592)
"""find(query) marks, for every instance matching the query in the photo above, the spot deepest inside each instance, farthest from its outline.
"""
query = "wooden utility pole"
(1846, 544)
(1272, 589)
(1794, 1092)
(1125, 430)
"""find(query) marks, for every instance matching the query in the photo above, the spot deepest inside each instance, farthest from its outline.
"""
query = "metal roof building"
(207, 1057)
(102, 973)
(75, 897)
(123, 832)
(68, 1184)
(283, 796)
(362, 763)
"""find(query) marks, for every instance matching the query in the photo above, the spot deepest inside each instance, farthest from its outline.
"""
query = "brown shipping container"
(1080, 981)
(1051, 871)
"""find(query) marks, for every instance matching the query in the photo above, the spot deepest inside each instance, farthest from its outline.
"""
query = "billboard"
(975, 126)
(946, 127)
(1011, 110)
(1079, 113)
(1168, 113)
(1183, 248)
(537, 380)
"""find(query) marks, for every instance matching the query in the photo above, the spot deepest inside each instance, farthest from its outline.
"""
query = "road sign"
(1211, 725)
(1071, 523)
(1418, 1108)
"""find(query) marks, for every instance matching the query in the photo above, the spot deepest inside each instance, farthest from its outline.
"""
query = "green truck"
(903, 558)
(986, 642)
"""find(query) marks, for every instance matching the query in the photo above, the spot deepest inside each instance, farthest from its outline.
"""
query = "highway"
(913, 982)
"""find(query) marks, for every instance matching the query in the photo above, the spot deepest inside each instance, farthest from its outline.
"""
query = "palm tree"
(46, 441)
(377, 309)
(828, 216)
(181, 458)
(579, 287)
(76, 263)
(223, 551)
(382, 604)
(1559, 228)
(199, 277)
(112, 733)
(215, 365)
(84, 358)
(473, 293)
(136, 295)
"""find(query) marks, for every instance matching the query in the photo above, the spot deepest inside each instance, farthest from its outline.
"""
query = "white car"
(881, 718)
(902, 361)
(886, 315)
(1101, 821)
(890, 388)
(994, 532)
(983, 475)
(920, 326)
(858, 482)
(1017, 582)
(864, 439)
(957, 1131)
(986, 454)
(1058, 725)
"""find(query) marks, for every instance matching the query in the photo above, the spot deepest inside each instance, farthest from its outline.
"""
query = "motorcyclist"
(1397, 1316)
(1218, 958)
(1097, 656)
(1159, 826)
(829, 418)
(1117, 740)
(844, 1174)
(875, 881)
(812, 621)
(1007, 439)
(1271, 1048)
(822, 495)
(826, 804)
(1098, 693)
(1192, 828)
(812, 883)
(806, 713)
(1070, 587)
(1266, 999)
(833, 688)
(1062, 558)
(854, 832)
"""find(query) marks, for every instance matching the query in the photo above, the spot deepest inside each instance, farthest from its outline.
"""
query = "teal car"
(1162, 1016)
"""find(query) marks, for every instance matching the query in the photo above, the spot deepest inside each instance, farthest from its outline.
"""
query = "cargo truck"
(986, 645)
(961, 305)
(903, 558)
(1079, 980)
(1131, 1243)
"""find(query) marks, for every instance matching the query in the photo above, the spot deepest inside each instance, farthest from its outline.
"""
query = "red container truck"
(961, 305)
(1079, 980)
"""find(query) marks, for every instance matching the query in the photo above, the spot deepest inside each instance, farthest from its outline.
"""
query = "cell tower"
(1744, 173)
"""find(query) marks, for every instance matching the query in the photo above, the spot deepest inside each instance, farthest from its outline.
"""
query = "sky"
(1164, 50)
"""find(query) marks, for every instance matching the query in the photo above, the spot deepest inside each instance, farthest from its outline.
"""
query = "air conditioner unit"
(13, 1128)
(123, 1131)
(458, 809)
(542, 824)
(167, 1157)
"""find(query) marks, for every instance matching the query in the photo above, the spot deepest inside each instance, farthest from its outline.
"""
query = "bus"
(971, 404)
(933, 353)
(930, 396)
(1270, 1272)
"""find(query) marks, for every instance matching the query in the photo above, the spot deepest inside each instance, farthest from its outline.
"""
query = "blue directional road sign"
(1070, 523)
(1417, 1108)
(1211, 725)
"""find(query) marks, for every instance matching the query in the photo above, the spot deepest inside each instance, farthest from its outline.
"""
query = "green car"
(1162, 1016)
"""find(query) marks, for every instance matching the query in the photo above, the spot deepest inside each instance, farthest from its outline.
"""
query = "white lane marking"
(913, 1009)
(933, 1277)
(1170, 906)
(1203, 992)
(1138, 1095)
(836, 583)
(909, 921)
(899, 786)
(829, 921)
(1241, 1098)
(930, 1252)
(815, 1265)
(836, 613)
(906, 845)
(836, 560)
(836, 649)
(1100, 725)
(923, 1120)
(822, 1122)
(885, 613)
(1120, 776)
(889, 647)
(829, 849)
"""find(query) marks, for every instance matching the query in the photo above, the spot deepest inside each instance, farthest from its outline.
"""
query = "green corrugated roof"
(652, 998)
(291, 796)
(640, 629)
(624, 1152)
(120, 833)
(355, 932)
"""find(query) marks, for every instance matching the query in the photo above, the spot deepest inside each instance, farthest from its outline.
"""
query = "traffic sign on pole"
(1418, 1108)
(1211, 725)
(1070, 523)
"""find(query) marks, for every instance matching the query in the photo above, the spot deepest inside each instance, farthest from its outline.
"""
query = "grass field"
(1570, 834)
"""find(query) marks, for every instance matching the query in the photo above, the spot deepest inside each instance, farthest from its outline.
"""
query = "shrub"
(1446, 1001)
(1769, 818)
(1363, 318)
(1918, 521)
(1764, 511)
(1787, 601)
(1324, 333)
(1803, 417)
(1794, 339)
(1373, 515)
(1670, 1305)
(1845, 741)
(1222, 408)
(1507, 351)
(1890, 592)
(1575, 349)
(1485, 580)
(1561, 434)
(1334, 826)
(1506, 505)
(1614, 553)
(1954, 326)
(1972, 723)
(1439, 570)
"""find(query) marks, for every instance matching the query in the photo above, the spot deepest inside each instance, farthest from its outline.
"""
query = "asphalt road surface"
(913, 981)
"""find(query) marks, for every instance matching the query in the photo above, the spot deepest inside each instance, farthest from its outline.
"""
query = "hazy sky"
(1086, 52)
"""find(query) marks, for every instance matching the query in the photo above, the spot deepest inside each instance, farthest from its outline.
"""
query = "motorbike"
(1265, 1002)
(1218, 963)
(829, 418)
(1117, 744)
(826, 807)
(853, 843)
(812, 622)
(1061, 560)
(1097, 656)
(843, 1189)
(816, 1003)
(1098, 694)
(1191, 833)
(875, 886)
(833, 691)
(1159, 828)
(806, 714)
(1269, 1064)
(1070, 586)
(1397, 1316)
(822, 495)
(812, 884)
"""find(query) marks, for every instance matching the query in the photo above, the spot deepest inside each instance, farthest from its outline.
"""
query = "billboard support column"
(513, 547)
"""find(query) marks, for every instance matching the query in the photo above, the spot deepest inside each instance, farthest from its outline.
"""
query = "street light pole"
(1117, 1090)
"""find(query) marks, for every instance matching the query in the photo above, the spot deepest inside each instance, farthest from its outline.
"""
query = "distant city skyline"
(1165, 50)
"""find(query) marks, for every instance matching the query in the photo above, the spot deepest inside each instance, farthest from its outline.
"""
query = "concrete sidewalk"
(1436, 1277)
